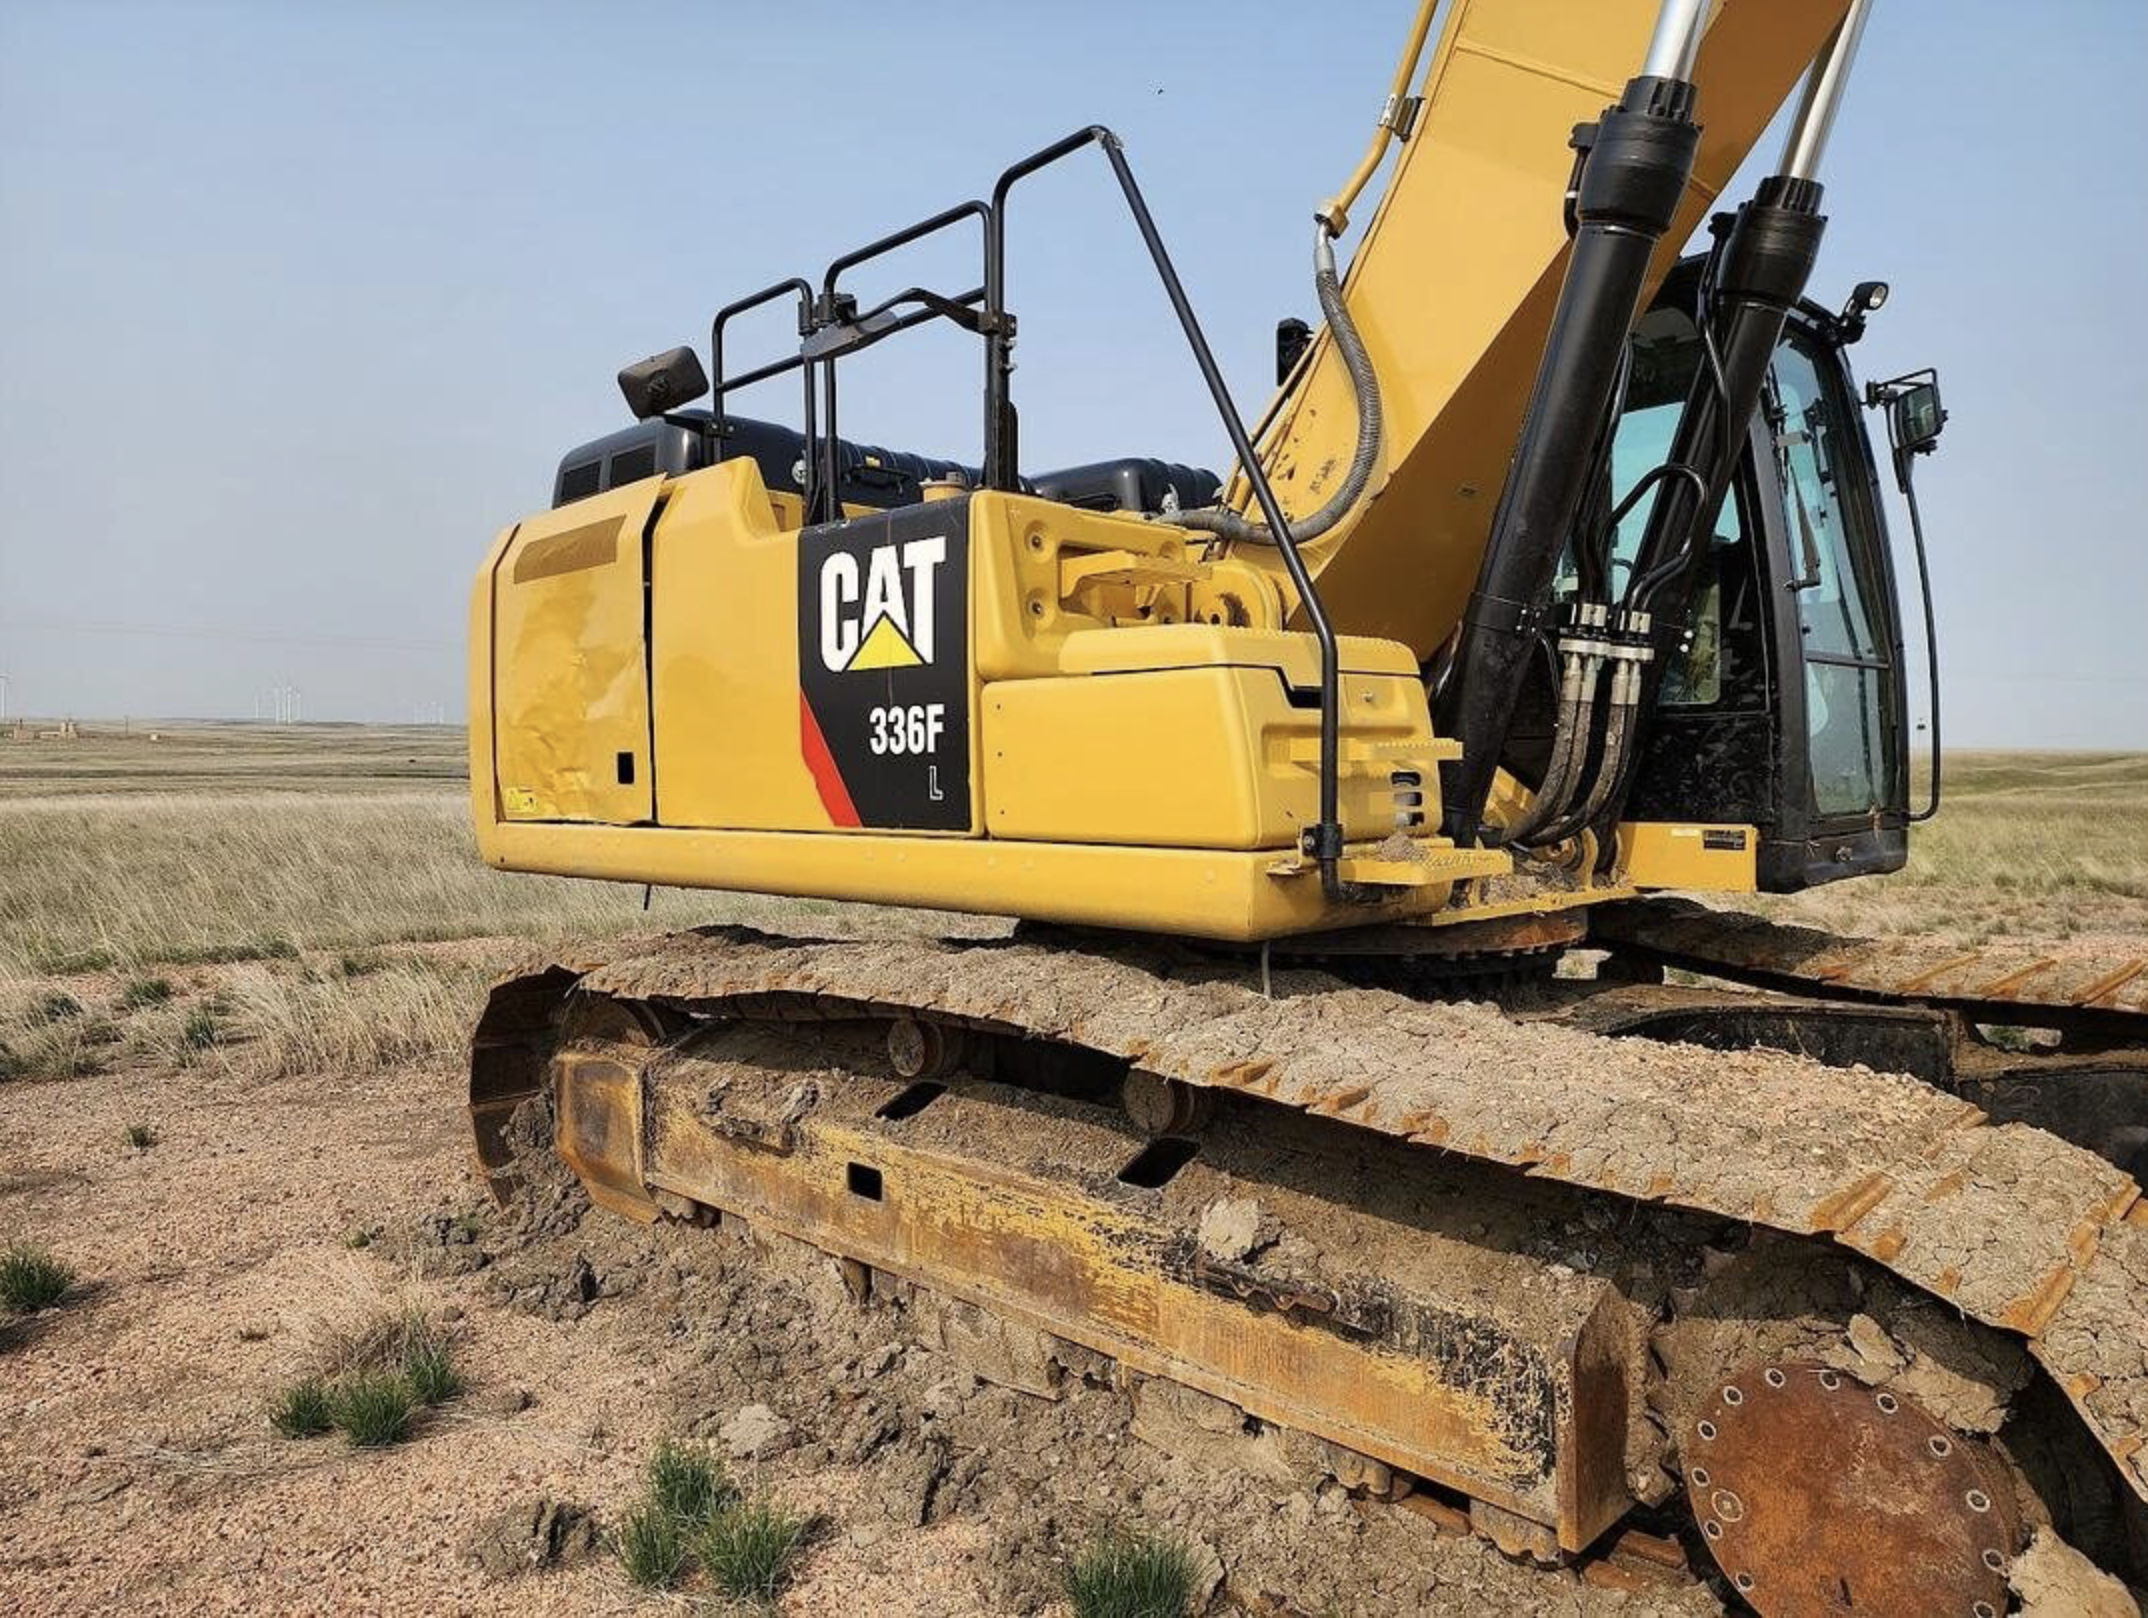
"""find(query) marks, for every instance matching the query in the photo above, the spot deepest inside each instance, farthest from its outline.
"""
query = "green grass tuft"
(141, 1137)
(144, 992)
(203, 1029)
(652, 1545)
(689, 1483)
(31, 1279)
(373, 1409)
(748, 1548)
(429, 1368)
(232, 954)
(1132, 1576)
(305, 1409)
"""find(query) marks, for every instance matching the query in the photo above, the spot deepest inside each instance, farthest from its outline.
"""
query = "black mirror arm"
(1904, 472)
(1882, 395)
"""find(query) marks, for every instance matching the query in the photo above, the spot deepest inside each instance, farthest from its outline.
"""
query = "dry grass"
(102, 883)
(330, 874)
(320, 865)
(2047, 845)
(365, 1327)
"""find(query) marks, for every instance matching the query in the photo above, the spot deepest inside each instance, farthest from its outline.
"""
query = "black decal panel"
(884, 665)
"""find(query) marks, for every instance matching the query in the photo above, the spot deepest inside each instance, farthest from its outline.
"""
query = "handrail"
(1324, 841)
(972, 209)
(717, 384)
(829, 312)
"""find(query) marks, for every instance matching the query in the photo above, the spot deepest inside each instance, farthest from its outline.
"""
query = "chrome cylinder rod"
(1676, 41)
(1825, 86)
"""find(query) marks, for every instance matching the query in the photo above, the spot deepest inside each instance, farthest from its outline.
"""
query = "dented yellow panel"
(725, 637)
(570, 686)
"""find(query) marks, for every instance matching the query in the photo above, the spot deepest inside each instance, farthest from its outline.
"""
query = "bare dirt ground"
(267, 950)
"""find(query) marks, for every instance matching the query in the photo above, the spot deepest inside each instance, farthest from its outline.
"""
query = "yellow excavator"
(1553, 582)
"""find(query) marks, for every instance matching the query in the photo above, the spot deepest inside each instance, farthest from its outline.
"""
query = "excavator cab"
(1784, 703)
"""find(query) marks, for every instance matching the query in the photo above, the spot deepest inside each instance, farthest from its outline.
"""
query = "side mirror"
(1915, 417)
(663, 382)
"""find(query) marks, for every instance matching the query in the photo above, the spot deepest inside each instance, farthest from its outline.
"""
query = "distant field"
(307, 888)
(148, 756)
(285, 899)
(2042, 844)
(222, 842)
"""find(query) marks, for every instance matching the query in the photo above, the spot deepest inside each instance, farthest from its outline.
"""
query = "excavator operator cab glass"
(1782, 704)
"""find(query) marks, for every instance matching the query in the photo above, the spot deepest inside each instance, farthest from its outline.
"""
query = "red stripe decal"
(834, 796)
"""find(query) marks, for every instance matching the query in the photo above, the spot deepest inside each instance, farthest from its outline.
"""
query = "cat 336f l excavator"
(1555, 577)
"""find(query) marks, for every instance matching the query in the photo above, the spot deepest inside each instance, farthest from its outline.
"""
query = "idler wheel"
(1818, 1495)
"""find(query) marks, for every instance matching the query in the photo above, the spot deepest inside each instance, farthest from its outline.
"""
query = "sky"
(300, 304)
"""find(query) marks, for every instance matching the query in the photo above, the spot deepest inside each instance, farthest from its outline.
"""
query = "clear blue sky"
(300, 303)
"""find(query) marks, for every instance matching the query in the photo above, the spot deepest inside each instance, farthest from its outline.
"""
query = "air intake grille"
(580, 482)
(631, 466)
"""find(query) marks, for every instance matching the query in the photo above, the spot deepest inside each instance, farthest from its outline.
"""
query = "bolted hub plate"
(1818, 1496)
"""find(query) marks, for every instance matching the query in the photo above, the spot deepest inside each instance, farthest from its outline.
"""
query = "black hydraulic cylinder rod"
(1636, 162)
(1768, 250)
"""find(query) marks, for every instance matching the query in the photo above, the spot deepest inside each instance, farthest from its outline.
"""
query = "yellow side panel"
(724, 629)
(570, 692)
(1187, 757)
(1695, 859)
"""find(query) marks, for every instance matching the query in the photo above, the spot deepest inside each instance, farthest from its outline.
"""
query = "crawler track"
(2035, 1240)
(2102, 993)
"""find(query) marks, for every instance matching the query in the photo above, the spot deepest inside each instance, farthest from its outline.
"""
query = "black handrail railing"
(1323, 841)
(718, 386)
(847, 330)
(832, 310)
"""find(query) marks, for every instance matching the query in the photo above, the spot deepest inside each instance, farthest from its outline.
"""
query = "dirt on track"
(138, 1469)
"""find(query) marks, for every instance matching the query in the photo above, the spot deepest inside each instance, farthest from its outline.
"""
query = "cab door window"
(1809, 414)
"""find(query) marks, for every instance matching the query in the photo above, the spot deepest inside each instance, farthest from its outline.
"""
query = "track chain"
(2010, 1225)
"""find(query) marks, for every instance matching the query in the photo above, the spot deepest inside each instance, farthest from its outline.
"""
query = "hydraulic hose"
(1618, 750)
(1577, 707)
(1227, 524)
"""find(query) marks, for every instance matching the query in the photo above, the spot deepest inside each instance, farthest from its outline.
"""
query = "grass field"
(313, 894)
(306, 895)
(2036, 844)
